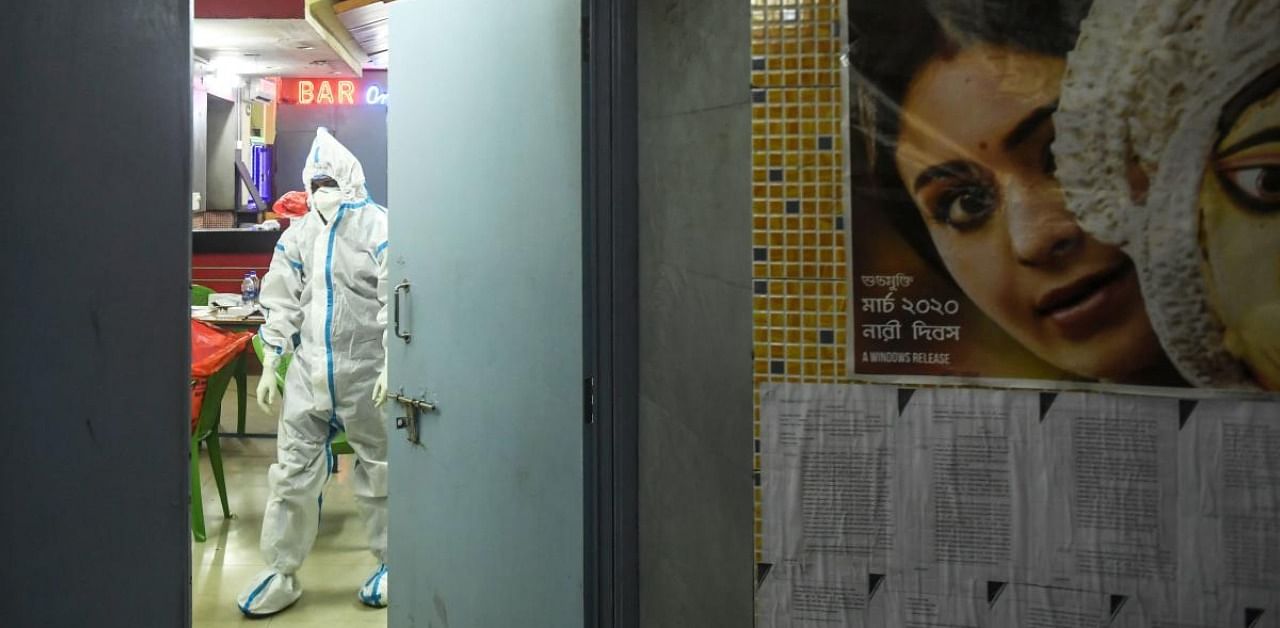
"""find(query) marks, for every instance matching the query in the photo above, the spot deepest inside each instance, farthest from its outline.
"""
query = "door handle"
(403, 335)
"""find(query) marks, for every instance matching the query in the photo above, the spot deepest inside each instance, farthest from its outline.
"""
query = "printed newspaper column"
(1230, 560)
(1250, 487)
(963, 475)
(1113, 493)
(827, 468)
(961, 450)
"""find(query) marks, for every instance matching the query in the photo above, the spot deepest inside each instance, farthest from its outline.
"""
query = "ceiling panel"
(368, 24)
(265, 47)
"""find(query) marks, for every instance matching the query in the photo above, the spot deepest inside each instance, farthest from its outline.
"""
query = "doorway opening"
(569, 121)
(267, 76)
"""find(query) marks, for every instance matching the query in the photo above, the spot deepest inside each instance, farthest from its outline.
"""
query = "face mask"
(326, 201)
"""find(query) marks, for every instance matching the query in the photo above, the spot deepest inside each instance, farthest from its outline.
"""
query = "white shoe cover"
(374, 591)
(268, 594)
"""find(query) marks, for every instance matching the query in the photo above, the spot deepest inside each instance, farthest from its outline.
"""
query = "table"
(213, 316)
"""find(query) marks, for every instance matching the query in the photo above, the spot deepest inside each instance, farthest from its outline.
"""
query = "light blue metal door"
(485, 205)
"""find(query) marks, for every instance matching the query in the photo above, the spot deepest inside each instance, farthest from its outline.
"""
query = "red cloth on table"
(211, 350)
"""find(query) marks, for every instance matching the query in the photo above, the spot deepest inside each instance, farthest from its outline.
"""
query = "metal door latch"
(413, 408)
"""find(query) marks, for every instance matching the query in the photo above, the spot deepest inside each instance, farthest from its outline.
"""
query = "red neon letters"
(325, 92)
(331, 92)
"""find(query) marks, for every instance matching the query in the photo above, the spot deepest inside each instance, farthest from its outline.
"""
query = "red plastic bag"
(211, 349)
(291, 204)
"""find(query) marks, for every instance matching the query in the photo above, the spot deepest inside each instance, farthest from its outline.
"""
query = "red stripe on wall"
(245, 9)
(224, 271)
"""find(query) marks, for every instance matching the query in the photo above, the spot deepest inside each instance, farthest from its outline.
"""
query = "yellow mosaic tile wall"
(798, 239)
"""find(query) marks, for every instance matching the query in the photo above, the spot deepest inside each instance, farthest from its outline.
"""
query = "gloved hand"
(380, 388)
(267, 383)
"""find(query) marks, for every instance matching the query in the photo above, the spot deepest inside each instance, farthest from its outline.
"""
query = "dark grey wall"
(696, 552)
(361, 128)
(94, 374)
(222, 118)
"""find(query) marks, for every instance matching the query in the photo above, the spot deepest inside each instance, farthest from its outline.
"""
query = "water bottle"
(257, 286)
(247, 295)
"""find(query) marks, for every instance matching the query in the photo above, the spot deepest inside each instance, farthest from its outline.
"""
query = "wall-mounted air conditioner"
(262, 90)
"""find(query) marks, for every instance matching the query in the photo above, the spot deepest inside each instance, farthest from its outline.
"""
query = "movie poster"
(1065, 193)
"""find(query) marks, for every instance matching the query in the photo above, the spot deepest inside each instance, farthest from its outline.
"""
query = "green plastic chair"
(200, 294)
(339, 444)
(206, 432)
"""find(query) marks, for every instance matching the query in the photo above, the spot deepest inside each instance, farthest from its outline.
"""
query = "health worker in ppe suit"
(325, 302)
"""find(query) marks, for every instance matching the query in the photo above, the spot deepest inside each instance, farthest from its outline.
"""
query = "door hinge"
(589, 400)
(586, 39)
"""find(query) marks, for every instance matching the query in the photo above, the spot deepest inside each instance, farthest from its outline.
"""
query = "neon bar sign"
(333, 92)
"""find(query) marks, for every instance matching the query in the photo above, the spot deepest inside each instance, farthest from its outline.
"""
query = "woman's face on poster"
(974, 152)
(1240, 227)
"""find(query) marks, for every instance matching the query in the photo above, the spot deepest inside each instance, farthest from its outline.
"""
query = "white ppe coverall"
(325, 302)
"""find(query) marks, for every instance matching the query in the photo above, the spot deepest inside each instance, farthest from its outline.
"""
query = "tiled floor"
(222, 565)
